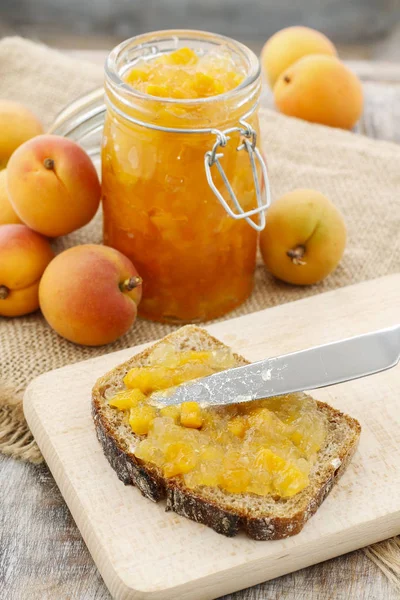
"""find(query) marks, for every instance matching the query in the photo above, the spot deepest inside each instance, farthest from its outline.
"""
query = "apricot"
(17, 125)
(304, 238)
(320, 89)
(289, 45)
(53, 185)
(89, 294)
(24, 255)
(7, 213)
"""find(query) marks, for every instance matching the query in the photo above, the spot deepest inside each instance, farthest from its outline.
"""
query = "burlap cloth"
(360, 175)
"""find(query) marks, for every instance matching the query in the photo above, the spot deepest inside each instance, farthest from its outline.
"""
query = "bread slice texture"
(261, 517)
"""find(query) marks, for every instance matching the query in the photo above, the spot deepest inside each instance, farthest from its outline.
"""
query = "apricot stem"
(296, 254)
(130, 284)
(4, 292)
(286, 79)
(48, 163)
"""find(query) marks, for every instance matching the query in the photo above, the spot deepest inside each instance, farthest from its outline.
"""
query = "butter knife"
(313, 368)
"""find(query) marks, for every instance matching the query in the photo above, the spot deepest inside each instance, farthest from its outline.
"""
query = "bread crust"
(186, 502)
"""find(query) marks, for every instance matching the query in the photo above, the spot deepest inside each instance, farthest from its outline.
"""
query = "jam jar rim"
(113, 76)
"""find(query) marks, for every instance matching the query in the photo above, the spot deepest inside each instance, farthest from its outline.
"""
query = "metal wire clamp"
(212, 157)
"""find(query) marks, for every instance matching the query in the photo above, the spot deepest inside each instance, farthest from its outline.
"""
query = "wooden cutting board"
(144, 552)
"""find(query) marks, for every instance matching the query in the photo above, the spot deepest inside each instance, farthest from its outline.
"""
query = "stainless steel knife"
(313, 368)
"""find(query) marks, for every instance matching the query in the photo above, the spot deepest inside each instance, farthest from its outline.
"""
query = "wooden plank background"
(361, 21)
(43, 557)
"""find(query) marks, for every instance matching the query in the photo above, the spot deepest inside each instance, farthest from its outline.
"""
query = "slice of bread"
(261, 517)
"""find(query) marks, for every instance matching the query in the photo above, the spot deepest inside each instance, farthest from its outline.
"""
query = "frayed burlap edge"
(386, 556)
(16, 439)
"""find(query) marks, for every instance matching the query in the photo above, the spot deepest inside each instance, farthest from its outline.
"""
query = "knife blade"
(316, 367)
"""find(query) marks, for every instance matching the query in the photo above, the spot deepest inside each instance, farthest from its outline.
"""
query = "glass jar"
(181, 182)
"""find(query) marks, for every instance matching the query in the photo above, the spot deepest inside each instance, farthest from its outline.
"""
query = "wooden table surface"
(42, 554)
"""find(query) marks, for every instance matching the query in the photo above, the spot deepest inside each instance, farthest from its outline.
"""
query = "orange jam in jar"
(179, 158)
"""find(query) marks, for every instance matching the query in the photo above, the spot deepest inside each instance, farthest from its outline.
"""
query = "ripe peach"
(24, 255)
(7, 213)
(17, 125)
(53, 185)
(89, 294)
(304, 238)
(289, 45)
(320, 89)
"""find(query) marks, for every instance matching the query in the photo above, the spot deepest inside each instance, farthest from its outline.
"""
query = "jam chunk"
(183, 74)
